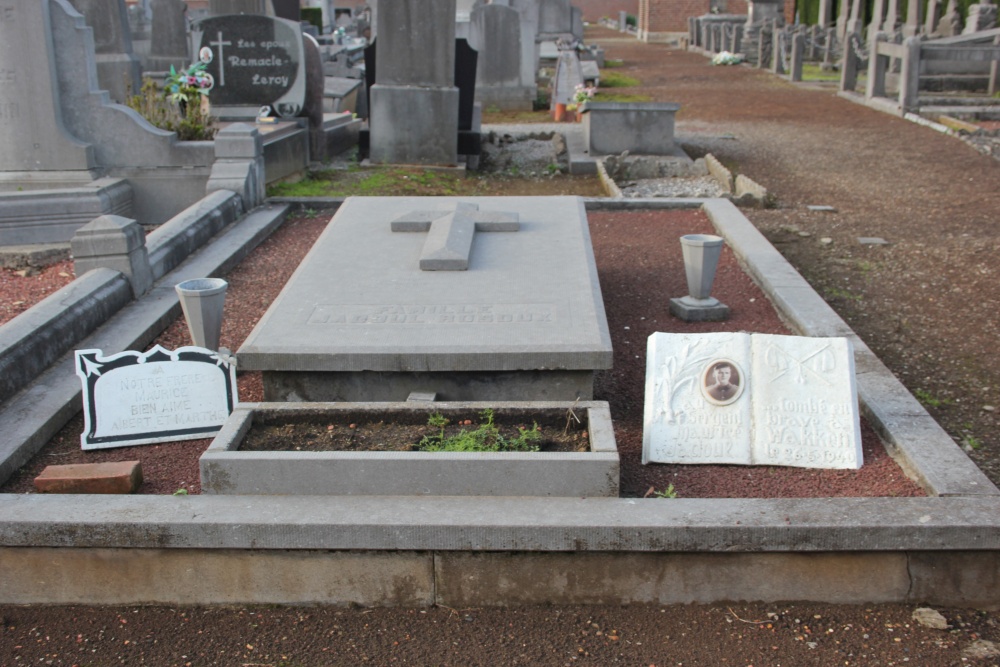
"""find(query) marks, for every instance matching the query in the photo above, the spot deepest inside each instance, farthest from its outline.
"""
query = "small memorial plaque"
(136, 398)
(751, 399)
(255, 61)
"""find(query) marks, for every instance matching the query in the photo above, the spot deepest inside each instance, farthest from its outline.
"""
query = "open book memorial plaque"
(751, 399)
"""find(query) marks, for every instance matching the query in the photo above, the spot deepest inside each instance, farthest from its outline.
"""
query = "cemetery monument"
(484, 298)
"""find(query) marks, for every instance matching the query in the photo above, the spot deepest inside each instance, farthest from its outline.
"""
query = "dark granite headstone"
(169, 44)
(288, 9)
(256, 61)
(466, 61)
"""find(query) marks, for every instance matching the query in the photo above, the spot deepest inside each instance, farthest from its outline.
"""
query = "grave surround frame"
(943, 549)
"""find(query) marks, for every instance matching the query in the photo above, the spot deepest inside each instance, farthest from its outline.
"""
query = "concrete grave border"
(381, 550)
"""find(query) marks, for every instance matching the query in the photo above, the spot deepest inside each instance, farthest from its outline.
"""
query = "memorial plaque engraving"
(135, 398)
(256, 61)
(747, 399)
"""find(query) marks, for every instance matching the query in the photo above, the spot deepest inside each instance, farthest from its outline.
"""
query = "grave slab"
(360, 320)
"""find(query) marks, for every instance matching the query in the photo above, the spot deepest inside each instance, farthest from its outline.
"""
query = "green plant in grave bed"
(611, 63)
(486, 438)
(840, 293)
(618, 80)
(930, 400)
(669, 492)
(972, 442)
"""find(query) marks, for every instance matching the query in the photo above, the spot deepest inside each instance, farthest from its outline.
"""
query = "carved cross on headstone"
(449, 238)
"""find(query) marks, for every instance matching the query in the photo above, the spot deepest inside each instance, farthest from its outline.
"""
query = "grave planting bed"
(370, 449)
(640, 267)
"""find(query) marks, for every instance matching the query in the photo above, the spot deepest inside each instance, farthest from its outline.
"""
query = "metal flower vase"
(202, 300)
(701, 259)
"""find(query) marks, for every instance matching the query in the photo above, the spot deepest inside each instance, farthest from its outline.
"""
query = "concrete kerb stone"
(928, 454)
(609, 184)
(32, 341)
(834, 535)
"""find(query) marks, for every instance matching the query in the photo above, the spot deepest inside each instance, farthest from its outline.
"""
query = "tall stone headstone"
(73, 132)
(169, 39)
(414, 101)
(33, 135)
(528, 11)
(118, 69)
(555, 17)
(576, 22)
(495, 32)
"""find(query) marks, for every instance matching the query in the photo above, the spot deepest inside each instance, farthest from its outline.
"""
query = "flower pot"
(202, 300)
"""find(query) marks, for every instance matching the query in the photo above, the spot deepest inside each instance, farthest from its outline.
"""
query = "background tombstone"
(496, 35)
(169, 39)
(528, 11)
(257, 61)
(555, 18)
(980, 17)
(118, 70)
(33, 136)
(414, 102)
(313, 109)
(226, 7)
(290, 10)
(64, 133)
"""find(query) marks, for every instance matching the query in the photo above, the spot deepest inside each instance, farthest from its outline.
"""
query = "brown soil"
(23, 288)
(382, 436)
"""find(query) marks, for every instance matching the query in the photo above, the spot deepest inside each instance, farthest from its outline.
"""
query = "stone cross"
(450, 233)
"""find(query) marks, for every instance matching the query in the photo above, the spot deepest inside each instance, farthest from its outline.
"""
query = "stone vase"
(202, 300)
(701, 259)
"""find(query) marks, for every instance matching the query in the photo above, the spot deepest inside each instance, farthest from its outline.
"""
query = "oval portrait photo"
(722, 382)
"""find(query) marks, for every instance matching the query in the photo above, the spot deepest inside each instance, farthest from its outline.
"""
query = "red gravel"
(640, 268)
(22, 289)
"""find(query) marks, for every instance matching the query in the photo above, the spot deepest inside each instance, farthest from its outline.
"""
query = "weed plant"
(486, 438)
(618, 80)
(187, 120)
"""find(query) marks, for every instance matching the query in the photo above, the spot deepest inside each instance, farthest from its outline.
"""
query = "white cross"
(450, 233)
(222, 61)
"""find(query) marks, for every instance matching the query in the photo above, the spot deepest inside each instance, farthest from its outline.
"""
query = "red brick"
(122, 477)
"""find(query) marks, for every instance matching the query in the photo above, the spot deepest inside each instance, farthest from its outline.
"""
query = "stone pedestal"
(414, 114)
(413, 125)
